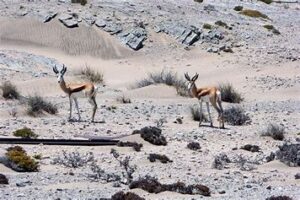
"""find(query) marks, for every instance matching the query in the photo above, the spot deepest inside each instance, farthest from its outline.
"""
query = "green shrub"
(36, 106)
(229, 94)
(207, 26)
(274, 131)
(82, 2)
(37, 156)
(92, 75)
(253, 13)
(271, 28)
(266, 1)
(19, 160)
(25, 133)
(9, 91)
(238, 8)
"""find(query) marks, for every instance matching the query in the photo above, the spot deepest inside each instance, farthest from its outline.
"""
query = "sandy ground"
(122, 68)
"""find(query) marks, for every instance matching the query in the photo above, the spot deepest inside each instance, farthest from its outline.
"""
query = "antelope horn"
(55, 70)
(187, 76)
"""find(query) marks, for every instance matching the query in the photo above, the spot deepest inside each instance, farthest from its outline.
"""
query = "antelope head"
(191, 81)
(60, 74)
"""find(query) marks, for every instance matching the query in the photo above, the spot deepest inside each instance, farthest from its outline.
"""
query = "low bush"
(82, 2)
(92, 75)
(124, 99)
(36, 106)
(274, 131)
(236, 116)
(221, 23)
(136, 146)
(289, 154)
(194, 146)
(271, 28)
(238, 8)
(126, 196)
(199, 1)
(220, 161)
(19, 161)
(165, 77)
(279, 198)
(74, 159)
(250, 147)
(152, 185)
(229, 94)
(266, 1)
(253, 13)
(152, 135)
(3, 179)
(207, 26)
(162, 158)
(197, 115)
(25, 133)
(9, 91)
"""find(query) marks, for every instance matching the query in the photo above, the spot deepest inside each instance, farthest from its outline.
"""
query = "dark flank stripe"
(78, 89)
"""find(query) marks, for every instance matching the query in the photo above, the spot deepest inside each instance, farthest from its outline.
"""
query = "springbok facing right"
(206, 94)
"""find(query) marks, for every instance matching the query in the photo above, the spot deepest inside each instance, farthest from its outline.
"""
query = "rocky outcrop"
(134, 37)
(68, 20)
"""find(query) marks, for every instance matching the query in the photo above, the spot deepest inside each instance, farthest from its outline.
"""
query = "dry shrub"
(289, 154)
(126, 196)
(124, 99)
(266, 1)
(279, 198)
(275, 131)
(271, 28)
(92, 75)
(36, 106)
(221, 23)
(3, 179)
(250, 147)
(74, 159)
(197, 115)
(152, 135)
(236, 116)
(220, 161)
(25, 133)
(162, 158)
(82, 2)
(194, 146)
(238, 8)
(229, 94)
(19, 161)
(198, 1)
(9, 91)
(207, 26)
(253, 13)
(152, 185)
(136, 146)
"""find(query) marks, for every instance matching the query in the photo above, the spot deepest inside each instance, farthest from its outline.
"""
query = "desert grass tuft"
(25, 133)
(207, 26)
(82, 2)
(92, 75)
(229, 94)
(9, 91)
(238, 8)
(275, 131)
(236, 116)
(37, 105)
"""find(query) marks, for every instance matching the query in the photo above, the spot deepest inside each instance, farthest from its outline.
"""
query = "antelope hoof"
(211, 125)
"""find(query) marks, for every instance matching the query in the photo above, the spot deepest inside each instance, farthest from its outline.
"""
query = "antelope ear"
(195, 77)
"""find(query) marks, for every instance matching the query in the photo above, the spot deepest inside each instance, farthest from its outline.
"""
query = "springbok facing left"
(73, 90)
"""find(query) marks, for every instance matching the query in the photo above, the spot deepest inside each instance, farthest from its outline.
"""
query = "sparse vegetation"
(194, 146)
(74, 159)
(279, 198)
(275, 131)
(82, 2)
(229, 94)
(207, 26)
(220, 161)
(3, 180)
(271, 28)
(125, 164)
(9, 91)
(19, 161)
(92, 75)
(250, 147)
(221, 23)
(162, 158)
(197, 115)
(253, 13)
(152, 135)
(124, 99)
(236, 116)
(152, 185)
(126, 196)
(199, 1)
(266, 1)
(289, 154)
(165, 77)
(37, 156)
(136, 146)
(25, 133)
(36, 106)
(238, 8)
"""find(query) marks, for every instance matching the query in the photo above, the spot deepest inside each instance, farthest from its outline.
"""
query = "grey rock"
(134, 38)
(65, 16)
(209, 8)
(113, 28)
(100, 23)
(47, 16)
(68, 20)
(297, 176)
(89, 19)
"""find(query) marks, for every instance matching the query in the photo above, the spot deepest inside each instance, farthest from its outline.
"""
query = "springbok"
(206, 94)
(73, 90)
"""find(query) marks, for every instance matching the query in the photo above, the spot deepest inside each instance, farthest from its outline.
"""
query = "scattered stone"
(209, 8)
(113, 28)
(250, 147)
(89, 19)
(100, 23)
(271, 157)
(289, 154)
(47, 16)
(68, 20)
(134, 38)
(297, 176)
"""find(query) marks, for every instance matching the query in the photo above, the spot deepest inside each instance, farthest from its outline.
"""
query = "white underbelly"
(80, 94)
